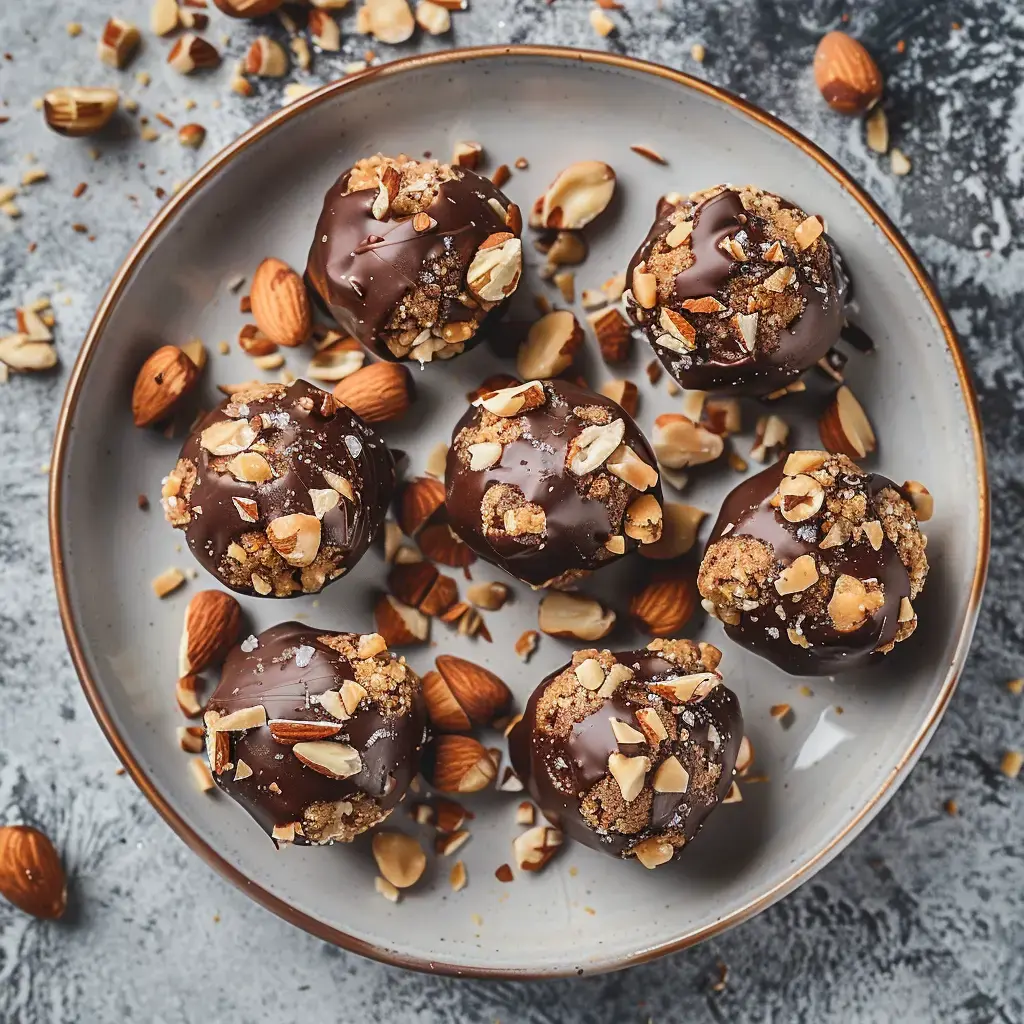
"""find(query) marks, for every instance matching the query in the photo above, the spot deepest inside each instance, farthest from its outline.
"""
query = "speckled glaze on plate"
(828, 774)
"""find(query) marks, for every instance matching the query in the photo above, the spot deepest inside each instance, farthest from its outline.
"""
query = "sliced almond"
(400, 858)
(629, 467)
(335, 760)
(624, 732)
(579, 194)
(804, 462)
(629, 773)
(679, 442)
(595, 444)
(671, 777)
(536, 846)
(679, 528)
(844, 426)
(512, 401)
(550, 346)
(572, 615)
(228, 437)
(653, 852)
(800, 574)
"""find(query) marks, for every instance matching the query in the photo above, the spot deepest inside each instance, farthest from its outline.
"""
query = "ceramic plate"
(850, 743)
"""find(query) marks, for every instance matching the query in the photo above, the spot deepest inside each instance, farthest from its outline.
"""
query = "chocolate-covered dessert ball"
(737, 290)
(630, 752)
(549, 481)
(280, 490)
(411, 255)
(317, 735)
(814, 563)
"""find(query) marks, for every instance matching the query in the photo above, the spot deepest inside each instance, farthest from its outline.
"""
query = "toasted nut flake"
(679, 442)
(467, 154)
(496, 268)
(527, 644)
(876, 131)
(629, 773)
(651, 724)
(457, 877)
(550, 346)
(260, 585)
(590, 674)
(18, 353)
(536, 846)
(744, 756)
(568, 249)
(167, 582)
(643, 519)
(446, 845)
(780, 280)
(797, 638)
(389, 21)
(653, 852)
(921, 498)
(386, 889)
(600, 22)
(490, 596)
(238, 721)
(899, 163)
(579, 194)
(289, 732)
(873, 532)
(525, 813)
(800, 574)
(400, 858)
(324, 31)
(671, 777)
(250, 467)
(624, 732)
(201, 775)
(734, 796)
(624, 392)
(645, 287)
(185, 694)
(190, 739)
(242, 771)
(334, 364)
(629, 467)
(571, 615)
(678, 534)
(844, 426)
(399, 623)
(648, 153)
(852, 603)
(118, 42)
(769, 438)
(370, 645)
(682, 689)
(295, 537)
(1011, 763)
(801, 497)
(433, 18)
(327, 757)
(808, 231)
(907, 613)
(513, 401)
(191, 53)
(228, 437)
(804, 462)
(613, 334)
(595, 444)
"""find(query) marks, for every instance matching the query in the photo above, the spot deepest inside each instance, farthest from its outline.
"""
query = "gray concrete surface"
(920, 920)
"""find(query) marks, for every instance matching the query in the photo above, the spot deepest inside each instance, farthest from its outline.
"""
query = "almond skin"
(280, 305)
(479, 692)
(846, 74)
(377, 393)
(398, 623)
(247, 8)
(212, 623)
(459, 764)
(31, 874)
(165, 378)
(439, 544)
(665, 603)
(446, 714)
(421, 498)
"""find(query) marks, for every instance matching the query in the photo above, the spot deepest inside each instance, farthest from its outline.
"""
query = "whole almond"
(377, 393)
(460, 764)
(846, 74)
(446, 714)
(280, 305)
(31, 874)
(212, 623)
(664, 605)
(165, 378)
(478, 691)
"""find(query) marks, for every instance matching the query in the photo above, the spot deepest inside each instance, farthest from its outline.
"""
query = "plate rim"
(816, 859)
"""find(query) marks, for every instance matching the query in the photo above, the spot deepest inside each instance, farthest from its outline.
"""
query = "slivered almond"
(290, 732)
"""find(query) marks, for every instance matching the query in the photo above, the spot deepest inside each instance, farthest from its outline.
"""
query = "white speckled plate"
(827, 774)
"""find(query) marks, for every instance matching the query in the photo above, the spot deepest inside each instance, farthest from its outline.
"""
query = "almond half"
(212, 622)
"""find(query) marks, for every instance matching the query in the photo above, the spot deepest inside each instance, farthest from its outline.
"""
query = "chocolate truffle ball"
(630, 752)
(737, 290)
(814, 563)
(317, 735)
(280, 490)
(411, 255)
(549, 481)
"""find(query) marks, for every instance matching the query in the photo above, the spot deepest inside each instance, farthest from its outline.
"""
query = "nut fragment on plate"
(579, 194)
(400, 858)
(846, 74)
(613, 334)
(673, 732)
(679, 442)
(459, 764)
(118, 42)
(192, 53)
(678, 534)
(536, 846)
(815, 564)
(79, 110)
(550, 346)
(844, 426)
(574, 616)
(266, 58)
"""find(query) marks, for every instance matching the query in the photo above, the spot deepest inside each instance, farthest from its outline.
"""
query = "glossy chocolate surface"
(288, 666)
(577, 526)
(361, 267)
(305, 438)
(558, 771)
(747, 511)
(800, 345)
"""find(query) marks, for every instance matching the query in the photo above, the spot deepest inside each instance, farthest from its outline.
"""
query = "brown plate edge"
(816, 860)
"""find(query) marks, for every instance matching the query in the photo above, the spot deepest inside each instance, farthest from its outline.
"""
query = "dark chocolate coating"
(801, 344)
(577, 527)
(557, 772)
(339, 443)
(362, 267)
(746, 512)
(389, 746)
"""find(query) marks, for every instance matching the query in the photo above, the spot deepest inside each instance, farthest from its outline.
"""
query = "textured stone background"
(919, 920)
